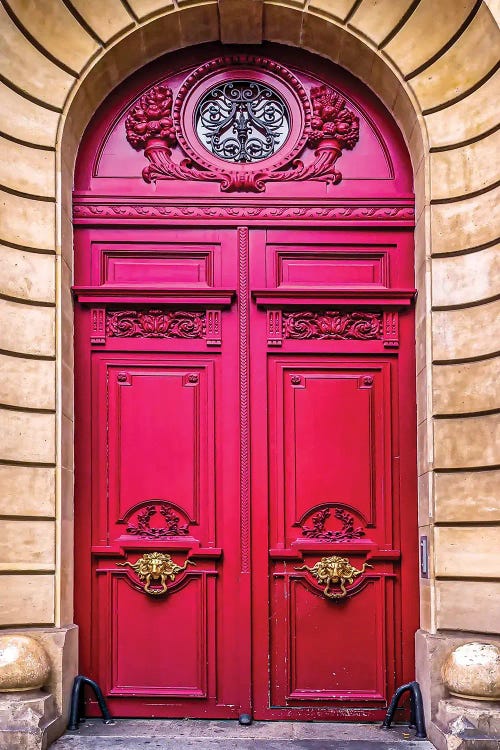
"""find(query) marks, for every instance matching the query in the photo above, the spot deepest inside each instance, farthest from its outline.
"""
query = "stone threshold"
(189, 734)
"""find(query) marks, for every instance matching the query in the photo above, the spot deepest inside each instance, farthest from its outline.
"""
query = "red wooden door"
(245, 397)
(234, 422)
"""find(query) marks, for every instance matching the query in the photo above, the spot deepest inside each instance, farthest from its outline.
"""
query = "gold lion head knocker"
(156, 566)
(332, 570)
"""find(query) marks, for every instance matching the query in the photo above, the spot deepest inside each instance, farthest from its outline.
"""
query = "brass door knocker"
(332, 570)
(156, 566)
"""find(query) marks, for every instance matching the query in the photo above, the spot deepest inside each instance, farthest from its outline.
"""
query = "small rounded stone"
(472, 671)
(23, 664)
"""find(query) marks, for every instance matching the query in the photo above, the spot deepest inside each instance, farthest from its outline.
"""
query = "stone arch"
(421, 60)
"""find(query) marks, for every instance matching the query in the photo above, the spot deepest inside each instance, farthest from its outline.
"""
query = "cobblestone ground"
(228, 735)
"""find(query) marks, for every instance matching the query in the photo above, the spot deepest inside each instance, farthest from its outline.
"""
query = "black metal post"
(77, 710)
(417, 718)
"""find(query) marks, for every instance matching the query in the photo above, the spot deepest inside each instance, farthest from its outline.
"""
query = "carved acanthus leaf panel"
(332, 324)
(153, 323)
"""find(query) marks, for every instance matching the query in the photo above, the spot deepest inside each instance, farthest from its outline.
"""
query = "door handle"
(156, 566)
(334, 570)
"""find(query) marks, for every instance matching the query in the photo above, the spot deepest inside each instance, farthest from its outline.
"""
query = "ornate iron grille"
(242, 121)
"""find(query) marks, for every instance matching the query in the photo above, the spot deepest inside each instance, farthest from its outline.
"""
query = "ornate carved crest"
(228, 132)
(171, 520)
(318, 530)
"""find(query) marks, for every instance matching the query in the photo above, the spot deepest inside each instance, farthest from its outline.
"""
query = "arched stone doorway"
(245, 421)
(422, 60)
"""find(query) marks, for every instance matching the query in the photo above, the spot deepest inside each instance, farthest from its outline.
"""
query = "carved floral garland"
(318, 531)
(172, 526)
(151, 126)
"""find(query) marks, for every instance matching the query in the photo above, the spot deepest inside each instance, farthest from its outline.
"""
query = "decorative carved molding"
(244, 378)
(369, 213)
(318, 530)
(98, 325)
(172, 525)
(149, 323)
(332, 324)
(156, 125)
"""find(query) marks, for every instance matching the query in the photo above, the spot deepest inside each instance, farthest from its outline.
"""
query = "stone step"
(129, 734)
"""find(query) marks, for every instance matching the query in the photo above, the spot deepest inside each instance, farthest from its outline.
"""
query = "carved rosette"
(155, 124)
(332, 324)
(149, 323)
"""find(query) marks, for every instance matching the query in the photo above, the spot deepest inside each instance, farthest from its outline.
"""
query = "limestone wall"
(433, 63)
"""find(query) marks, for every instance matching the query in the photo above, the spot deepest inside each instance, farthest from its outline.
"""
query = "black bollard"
(417, 718)
(77, 711)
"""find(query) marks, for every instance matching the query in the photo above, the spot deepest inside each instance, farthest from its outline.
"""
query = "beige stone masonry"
(27, 436)
(411, 48)
(468, 118)
(468, 605)
(467, 332)
(376, 19)
(465, 170)
(56, 29)
(29, 69)
(27, 491)
(27, 276)
(27, 383)
(466, 224)
(336, 9)
(27, 545)
(38, 178)
(241, 21)
(447, 78)
(467, 552)
(107, 20)
(467, 496)
(27, 329)
(467, 442)
(466, 388)
(27, 599)
(466, 279)
(143, 9)
(29, 122)
(26, 222)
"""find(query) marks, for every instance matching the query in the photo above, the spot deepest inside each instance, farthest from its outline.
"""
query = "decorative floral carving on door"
(317, 529)
(139, 521)
(150, 323)
(332, 324)
(241, 131)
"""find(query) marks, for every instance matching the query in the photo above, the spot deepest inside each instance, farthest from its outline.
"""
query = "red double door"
(245, 470)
